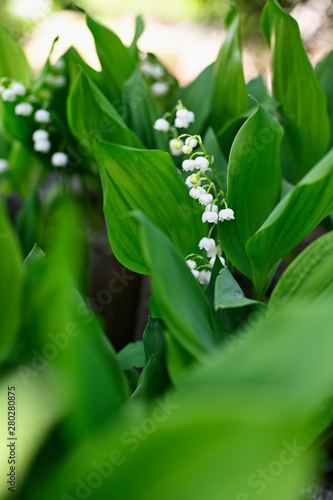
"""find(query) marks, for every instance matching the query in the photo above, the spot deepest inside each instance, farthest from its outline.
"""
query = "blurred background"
(185, 34)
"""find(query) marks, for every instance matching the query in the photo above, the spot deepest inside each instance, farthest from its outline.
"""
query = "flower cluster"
(203, 183)
(179, 117)
(203, 272)
(29, 106)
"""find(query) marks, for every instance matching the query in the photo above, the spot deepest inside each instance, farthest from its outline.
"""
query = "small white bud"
(174, 151)
(187, 150)
(40, 135)
(4, 165)
(8, 95)
(191, 264)
(162, 125)
(18, 88)
(190, 141)
(42, 146)
(24, 109)
(159, 89)
(42, 116)
(59, 159)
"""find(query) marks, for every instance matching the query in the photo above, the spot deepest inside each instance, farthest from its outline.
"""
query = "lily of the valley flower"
(226, 214)
(206, 199)
(212, 261)
(162, 125)
(204, 277)
(24, 109)
(196, 192)
(59, 159)
(42, 116)
(191, 264)
(4, 165)
(202, 163)
(188, 165)
(210, 217)
(176, 151)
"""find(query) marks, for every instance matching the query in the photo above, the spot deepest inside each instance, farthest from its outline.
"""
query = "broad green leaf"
(309, 275)
(296, 88)
(153, 340)
(256, 397)
(229, 95)
(197, 97)
(10, 283)
(131, 355)
(297, 214)
(254, 184)
(13, 63)
(115, 58)
(228, 293)
(91, 115)
(257, 90)
(141, 112)
(145, 180)
(60, 333)
(187, 313)
(324, 73)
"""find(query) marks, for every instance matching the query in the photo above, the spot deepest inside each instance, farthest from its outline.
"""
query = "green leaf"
(115, 58)
(256, 397)
(153, 340)
(257, 90)
(220, 163)
(254, 184)
(148, 181)
(230, 95)
(13, 63)
(131, 355)
(91, 115)
(139, 29)
(324, 73)
(141, 112)
(30, 223)
(33, 256)
(197, 97)
(153, 380)
(309, 275)
(297, 214)
(227, 134)
(228, 293)
(296, 88)
(10, 284)
(187, 313)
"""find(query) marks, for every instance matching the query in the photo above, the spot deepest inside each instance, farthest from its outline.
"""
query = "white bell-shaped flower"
(204, 277)
(226, 214)
(24, 109)
(210, 217)
(188, 165)
(202, 163)
(206, 199)
(162, 125)
(59, 159)
(42, 116)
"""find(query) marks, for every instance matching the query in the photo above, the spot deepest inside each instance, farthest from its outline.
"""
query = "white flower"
(174, 151)
(40, 135)
(8, 95)
(189, 183)
(154, 70)
(197, 192)
(204, 277)
(211, 208)
(162, 125)
(159, 89)
(201, 163)
(184, 118)
(18, 88)
(226, 214)
(195, 273)
(206, 199)
(42, 116)
(4, 165)
(207, 243)
(59, 65)
(212, 261)
(191, 264)
(211, 217)
(59, 159)
(190, 141)
(188, 165)
(42, 146)
(24, 109)
(57, 81)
